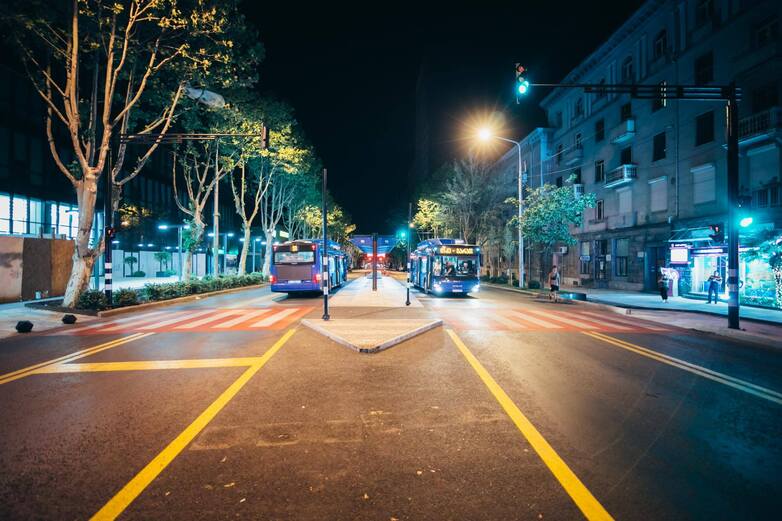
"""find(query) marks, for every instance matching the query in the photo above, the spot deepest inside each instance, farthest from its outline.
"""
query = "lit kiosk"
(446, 266)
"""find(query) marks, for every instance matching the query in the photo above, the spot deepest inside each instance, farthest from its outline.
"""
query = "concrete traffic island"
(371, 335)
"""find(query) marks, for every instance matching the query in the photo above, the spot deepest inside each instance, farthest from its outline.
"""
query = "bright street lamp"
(485, 134)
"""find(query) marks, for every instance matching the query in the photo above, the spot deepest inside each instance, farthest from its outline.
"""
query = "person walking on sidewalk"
(553, 280)
(714, 286)
(662, 283)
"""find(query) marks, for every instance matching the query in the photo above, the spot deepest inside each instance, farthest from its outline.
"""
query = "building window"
(658, 194)
(627, 70)
(576, 176)
(626, 111)
(5, 213)
(600, 130)
(704, 12)
(558, 120)
(625, 201)
(600, 173)
(658, 151)
(703, 184)
(600, 210)
(559, 182)
(626, 156)
(660, 44)
(559, 153)
(704, 128)
(578, 142)
(660, 101)
(765, 97)
(704, 69)
(765, 32)
(578, 109)
(622, 248)
(19, 214)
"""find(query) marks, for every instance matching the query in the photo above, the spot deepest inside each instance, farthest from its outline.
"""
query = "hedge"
(93, 299)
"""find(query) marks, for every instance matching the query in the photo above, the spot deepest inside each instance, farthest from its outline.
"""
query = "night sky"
(351, 75)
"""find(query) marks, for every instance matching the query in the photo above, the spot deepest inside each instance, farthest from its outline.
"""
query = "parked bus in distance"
(446, 266)
(297, 266)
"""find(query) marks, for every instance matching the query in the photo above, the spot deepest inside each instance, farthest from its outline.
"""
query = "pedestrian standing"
(553, 280)
(714, 286)
(662, 284)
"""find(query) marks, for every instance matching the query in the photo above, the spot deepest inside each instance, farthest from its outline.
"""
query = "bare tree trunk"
(246, 245)
(83, 256)
(187, 268)
(267, 258)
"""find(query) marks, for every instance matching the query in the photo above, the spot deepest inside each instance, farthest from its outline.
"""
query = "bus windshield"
(453, 266)
(294, 257)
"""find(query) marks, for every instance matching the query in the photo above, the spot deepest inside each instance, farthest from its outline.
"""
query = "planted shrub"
(92, 299)
(138, 273)
(125, 297)
(534, 284)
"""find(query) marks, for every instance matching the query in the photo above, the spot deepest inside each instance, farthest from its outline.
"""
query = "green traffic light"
(523, 86)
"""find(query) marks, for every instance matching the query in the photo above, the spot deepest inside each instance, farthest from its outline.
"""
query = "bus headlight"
(476, 288)
(438, 288)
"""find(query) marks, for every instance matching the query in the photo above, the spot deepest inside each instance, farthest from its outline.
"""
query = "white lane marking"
(507, 322)
(248, 302)
(211, 318)
(626, 321)
(110, 325)
(182, 316)
(241, 318)
(268, 321)
(534, 320)
(135, 321)
(564, 320)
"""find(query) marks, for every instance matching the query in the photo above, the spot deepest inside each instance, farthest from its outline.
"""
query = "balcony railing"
(760, 123)
(622, 175)
(625, 131)
(574, 155)
(622, 220)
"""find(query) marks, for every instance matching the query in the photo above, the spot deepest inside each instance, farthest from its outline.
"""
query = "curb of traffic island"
(535, 293)
(316, 325)
(178, 300)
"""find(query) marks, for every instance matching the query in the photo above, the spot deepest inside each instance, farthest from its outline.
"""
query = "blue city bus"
(297, 266)
(446, 266)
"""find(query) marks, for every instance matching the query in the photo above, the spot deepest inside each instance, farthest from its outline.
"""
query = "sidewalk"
(358, 293)
(637, 300)
(41, 319)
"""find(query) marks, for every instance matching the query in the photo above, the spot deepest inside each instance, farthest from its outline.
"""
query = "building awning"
(691, 235)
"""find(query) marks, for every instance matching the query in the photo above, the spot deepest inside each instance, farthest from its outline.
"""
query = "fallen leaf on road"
(243, 500)
(366, 496)
(168, 493)
(224, 458)
(419, 472)
(229, 485)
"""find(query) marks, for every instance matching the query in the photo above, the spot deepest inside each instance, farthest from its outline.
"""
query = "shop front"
(696, 264)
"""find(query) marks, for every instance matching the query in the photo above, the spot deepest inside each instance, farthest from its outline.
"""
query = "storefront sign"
(715, 250)
(585, 258)
(680, 255)
(457, 250)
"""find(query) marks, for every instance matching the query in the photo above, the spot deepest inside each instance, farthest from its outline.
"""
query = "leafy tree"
(770, 251)
(548, 214)
(340, 227)
(163, 257)
(131, 261)
(106, 68)
(430, 217)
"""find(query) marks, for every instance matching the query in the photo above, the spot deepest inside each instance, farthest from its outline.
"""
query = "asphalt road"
(224, 408)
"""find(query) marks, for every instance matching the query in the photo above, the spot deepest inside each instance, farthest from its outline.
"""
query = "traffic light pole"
(727, 93)
(407, 256)
(325, 252)
(108, 236)
(733, 202)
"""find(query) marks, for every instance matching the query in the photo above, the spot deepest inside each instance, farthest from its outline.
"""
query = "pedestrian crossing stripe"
(197, 320)
(527, 319)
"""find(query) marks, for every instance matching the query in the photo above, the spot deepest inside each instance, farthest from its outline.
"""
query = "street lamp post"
(179, 228)
(225, 249)
(485, 135)
(407, 253)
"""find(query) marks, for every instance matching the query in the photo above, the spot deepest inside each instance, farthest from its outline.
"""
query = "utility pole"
(325, 251)
(407, 255)
(732, 125)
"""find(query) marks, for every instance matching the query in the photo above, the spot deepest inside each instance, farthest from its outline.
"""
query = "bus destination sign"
(457, 250)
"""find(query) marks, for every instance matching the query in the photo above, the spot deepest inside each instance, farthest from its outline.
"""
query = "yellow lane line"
(33, 369)
(140, 481)
(730, 381)
(148, 365)
(586, 502)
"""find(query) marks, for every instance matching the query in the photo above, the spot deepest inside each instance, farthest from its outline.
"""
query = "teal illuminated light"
(746, 221)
